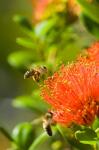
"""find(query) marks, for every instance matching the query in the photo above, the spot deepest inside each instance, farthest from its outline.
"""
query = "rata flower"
(39, 7)
(45, 8)
(73, 93)
(91, 54)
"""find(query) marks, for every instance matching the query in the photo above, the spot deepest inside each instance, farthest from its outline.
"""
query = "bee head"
(44, 68)
(49, 115)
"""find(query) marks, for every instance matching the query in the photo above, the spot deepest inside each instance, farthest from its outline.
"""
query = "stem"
(4, 132)
(61, 133)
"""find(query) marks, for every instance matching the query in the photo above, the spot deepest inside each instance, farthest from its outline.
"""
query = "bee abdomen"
(48, 130)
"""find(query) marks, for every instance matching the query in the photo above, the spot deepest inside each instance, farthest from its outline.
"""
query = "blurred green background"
(11, 81)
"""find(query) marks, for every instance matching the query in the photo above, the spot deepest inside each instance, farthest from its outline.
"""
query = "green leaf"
(95, 124)
(80, 146)
(69, 53)
(21, 59)
(41, 139)
(23, 22)
(91, 26)
(97, 145)
(25, 42)
(90, 9)
(42, 28)
(33, 103)
(86, 136)
(97, 132)
(23, 135)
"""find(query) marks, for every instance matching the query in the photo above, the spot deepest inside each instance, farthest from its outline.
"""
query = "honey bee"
(47, 122)
(35, 73)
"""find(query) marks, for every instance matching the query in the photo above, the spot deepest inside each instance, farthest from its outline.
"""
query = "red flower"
(44, 8)
(73, 93)
(40, 6)
(91, 54)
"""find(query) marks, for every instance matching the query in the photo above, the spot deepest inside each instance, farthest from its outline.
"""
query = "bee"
(47, 122)
(35, 73)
